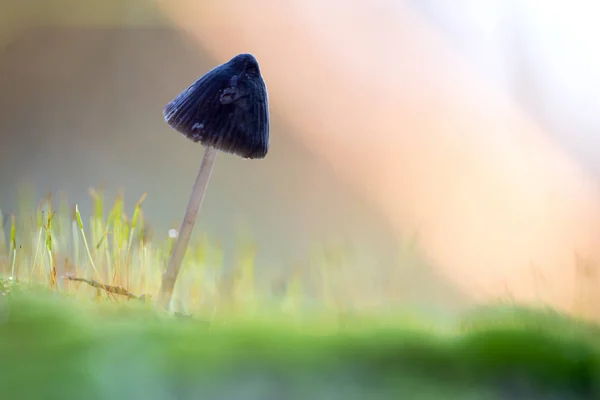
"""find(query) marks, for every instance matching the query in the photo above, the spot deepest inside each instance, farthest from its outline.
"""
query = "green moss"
(54, 347)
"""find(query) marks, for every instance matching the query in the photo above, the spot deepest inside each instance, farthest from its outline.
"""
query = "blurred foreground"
(52, 347)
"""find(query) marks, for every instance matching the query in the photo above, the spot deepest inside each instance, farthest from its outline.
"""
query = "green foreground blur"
(52, 347)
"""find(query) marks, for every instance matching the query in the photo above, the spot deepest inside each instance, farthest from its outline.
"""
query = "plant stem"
(185, 231)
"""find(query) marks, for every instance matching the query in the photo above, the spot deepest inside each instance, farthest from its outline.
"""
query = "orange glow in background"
(438, 147)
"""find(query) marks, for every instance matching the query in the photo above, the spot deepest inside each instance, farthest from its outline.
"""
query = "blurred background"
(448, 149)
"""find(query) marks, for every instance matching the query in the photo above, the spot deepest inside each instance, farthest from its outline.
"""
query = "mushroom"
(226, 109)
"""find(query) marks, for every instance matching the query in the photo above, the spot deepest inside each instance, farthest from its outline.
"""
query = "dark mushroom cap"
(227, 109)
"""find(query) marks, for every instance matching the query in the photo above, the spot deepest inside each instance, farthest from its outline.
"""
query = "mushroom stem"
(185, 231)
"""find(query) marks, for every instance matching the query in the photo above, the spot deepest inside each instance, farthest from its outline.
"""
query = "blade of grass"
(13, 243)
(75, 238)
(87, 248)
(134, 222)
(49, 252)
(114, 225)
(37, 251)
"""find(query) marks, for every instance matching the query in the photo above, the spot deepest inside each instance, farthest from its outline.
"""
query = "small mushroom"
(226, 109)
